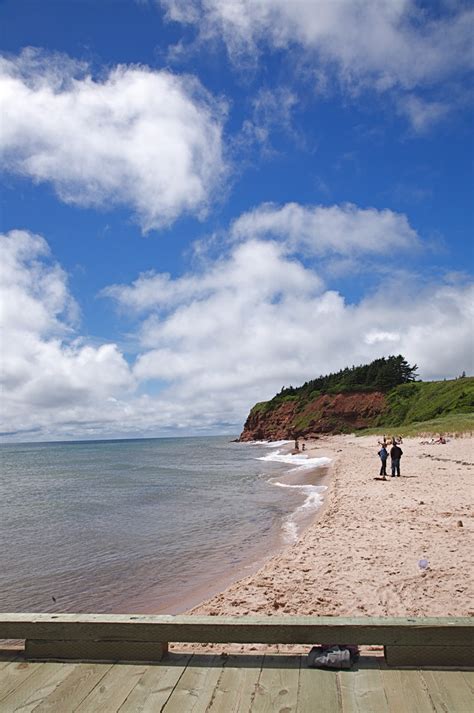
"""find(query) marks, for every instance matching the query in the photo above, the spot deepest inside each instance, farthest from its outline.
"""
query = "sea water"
(146, 525)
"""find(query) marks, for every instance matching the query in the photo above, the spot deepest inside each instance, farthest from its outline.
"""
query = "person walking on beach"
(395, 455)
(383, 453)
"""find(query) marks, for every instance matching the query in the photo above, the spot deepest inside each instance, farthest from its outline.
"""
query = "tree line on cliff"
(380, 375)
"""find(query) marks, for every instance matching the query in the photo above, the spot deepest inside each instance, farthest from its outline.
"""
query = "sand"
(360, 557)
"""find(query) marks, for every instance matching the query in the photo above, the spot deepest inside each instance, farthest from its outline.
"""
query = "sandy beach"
(361, 554)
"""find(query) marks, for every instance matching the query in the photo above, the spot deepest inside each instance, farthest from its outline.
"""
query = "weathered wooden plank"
(156, 685)
(468, 677)
(113, 689)
(448, 691)
(70, 693)
(318, 690)
(268, 629)
(277, 688)
(416, 691)
(405, 694)
(36, 687)
(6, 662)
(236, 688)
(429, 655)
(195, 689)
(13, 675)
(362, 689)
(88, 650)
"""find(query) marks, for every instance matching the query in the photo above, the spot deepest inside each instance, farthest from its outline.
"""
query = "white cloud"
(47, 375)
(385, 45)
(146, 139)
(422, 114)
(271, 110)
(387, 42)
(375, 337)
(212, 342)
(338, 229)
(235, 333)
(254, 268)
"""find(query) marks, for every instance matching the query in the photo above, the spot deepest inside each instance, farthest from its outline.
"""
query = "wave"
(292, 523)
(313, 501)
(299, 460)
(270, 444)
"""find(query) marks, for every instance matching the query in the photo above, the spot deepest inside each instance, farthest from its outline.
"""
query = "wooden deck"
(231, 684)
(101, 663)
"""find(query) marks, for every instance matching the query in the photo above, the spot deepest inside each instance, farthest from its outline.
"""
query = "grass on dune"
(453, 423)
(428, 400)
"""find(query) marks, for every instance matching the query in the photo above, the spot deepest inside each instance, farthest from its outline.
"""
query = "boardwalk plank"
(156, 686)
(415, 691)
(237, 686)
(232, 684)
(362, 688)
(112, 690)
(405, 694)
(36, 687)
(468, 677)
(318, 690)
(73, 690)
(277, 688)
(448, 690)
(6, 662)
(195, 689)
(13, 675)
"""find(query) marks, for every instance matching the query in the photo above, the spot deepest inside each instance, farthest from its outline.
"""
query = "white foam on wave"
(299, 460)
(270, 444)
(313, 493)
(313, 501)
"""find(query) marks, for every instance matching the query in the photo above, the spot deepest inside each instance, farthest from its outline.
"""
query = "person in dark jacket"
(395, 455)
(383, 453)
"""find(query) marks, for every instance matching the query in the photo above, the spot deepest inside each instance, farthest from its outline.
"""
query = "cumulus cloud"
(258, 318)
(232, 340)
(338, 229)
(255, 268)
(396, 46)
(46, 373)
(146, 139)
(386, 43)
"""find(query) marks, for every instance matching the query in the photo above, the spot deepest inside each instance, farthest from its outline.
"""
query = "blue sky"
(204, 201)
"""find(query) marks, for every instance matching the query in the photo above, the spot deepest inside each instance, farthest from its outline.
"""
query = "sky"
(206, 200)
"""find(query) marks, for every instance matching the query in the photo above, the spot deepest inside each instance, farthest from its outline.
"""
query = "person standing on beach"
(383, 453)
(395, 455)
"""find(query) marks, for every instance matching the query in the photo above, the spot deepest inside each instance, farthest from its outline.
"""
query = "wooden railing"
(440, 641)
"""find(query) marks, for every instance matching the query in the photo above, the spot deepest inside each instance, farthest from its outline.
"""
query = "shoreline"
(319, 475)
(360, 555)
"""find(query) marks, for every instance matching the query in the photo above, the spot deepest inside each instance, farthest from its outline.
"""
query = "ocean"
(144, 526)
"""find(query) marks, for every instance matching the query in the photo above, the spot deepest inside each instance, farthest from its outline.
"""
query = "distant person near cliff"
(395, 455)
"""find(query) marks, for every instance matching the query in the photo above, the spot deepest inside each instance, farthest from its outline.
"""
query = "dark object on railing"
(336, 656)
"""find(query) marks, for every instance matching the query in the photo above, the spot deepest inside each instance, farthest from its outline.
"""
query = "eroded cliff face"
(329, 413)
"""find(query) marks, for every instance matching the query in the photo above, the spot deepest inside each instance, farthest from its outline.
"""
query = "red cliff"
(328, 413)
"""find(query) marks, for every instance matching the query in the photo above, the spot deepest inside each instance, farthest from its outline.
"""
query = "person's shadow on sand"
(400, 476)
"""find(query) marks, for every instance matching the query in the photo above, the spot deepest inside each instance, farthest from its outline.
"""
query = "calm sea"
(141, 525)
